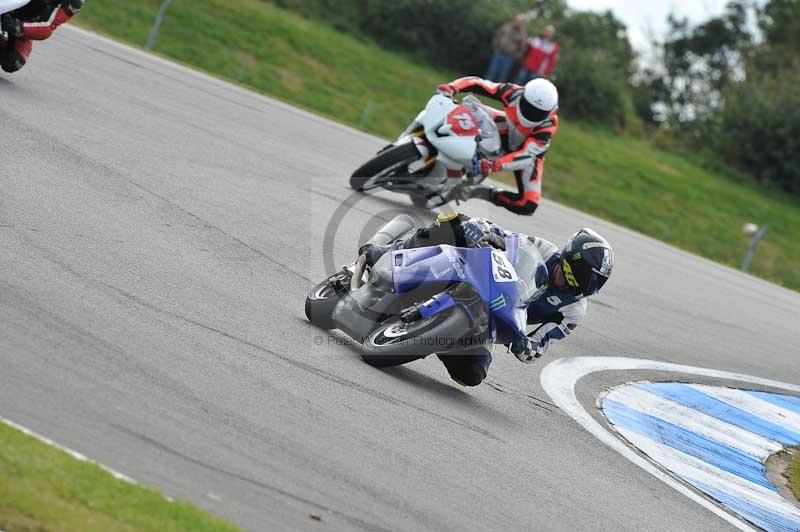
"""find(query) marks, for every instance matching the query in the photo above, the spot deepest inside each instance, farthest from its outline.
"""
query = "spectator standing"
(510, 42)
(541, 57)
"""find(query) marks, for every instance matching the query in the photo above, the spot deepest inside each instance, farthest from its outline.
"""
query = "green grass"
(280, 53)
(44, 489)
(792, 474)
(311, 65)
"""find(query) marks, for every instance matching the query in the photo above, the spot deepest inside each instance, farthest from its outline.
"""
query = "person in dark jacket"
(510, 42)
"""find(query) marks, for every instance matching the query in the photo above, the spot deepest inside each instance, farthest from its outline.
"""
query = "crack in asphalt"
(162, 446)
(537, 402)
(219, 230)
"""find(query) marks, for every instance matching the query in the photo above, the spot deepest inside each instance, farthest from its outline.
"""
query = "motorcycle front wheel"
(391, 162)
(395, 342)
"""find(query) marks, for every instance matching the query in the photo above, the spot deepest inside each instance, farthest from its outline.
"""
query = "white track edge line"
(75, 454)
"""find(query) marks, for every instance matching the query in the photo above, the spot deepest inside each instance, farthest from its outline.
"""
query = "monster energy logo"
(497, 303)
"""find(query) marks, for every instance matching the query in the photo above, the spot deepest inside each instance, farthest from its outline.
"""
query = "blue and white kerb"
(715, 439)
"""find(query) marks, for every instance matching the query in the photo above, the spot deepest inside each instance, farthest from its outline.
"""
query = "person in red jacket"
(541, 58)
(527, 125)
(35, 21)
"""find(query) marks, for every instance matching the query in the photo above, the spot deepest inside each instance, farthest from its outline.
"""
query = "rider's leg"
(529, 190)
(15, 56)
(468, 368)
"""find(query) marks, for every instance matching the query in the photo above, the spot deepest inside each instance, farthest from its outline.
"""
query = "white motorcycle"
(436, 155)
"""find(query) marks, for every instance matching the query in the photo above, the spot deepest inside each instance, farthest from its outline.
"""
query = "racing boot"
(483, 192)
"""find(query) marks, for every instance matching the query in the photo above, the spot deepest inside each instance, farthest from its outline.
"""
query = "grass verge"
(305, 63)
(792, 475)
(44, 489)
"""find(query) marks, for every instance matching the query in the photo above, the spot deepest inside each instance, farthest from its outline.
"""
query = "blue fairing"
(501, 291)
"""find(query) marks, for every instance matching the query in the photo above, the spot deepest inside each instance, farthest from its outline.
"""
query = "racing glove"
(476, 237)
(488, 167)
(526, 349)
(373, 252)
(446, 89)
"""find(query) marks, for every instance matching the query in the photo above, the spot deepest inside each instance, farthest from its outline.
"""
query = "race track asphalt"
(159, 231)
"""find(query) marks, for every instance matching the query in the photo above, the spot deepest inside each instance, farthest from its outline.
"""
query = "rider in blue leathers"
(574, 272)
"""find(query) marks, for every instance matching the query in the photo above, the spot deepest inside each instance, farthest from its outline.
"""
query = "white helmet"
(539, 99)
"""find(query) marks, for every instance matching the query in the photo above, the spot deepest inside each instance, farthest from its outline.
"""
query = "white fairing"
(453, 153)
(456, 152)
(7, 6)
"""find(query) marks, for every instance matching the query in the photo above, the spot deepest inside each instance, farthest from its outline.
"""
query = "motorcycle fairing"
(7, 6)
(482, 268)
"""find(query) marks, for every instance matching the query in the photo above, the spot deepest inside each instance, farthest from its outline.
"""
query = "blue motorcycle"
(438, 299)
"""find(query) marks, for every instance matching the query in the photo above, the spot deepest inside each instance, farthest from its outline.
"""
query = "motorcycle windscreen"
(529, 265)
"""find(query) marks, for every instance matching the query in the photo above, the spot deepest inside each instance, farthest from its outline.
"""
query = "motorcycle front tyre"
(394, 342)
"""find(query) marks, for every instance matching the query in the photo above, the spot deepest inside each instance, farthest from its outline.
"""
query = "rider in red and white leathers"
(35, 21)
(527, 125)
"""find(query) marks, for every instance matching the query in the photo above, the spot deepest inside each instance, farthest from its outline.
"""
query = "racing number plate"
(502, 271)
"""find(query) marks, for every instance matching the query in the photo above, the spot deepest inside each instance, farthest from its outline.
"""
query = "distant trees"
(759, 124)
(595, 69)
(731, 89)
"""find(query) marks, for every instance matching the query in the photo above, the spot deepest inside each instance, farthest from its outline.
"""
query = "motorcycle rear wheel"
(391, 162)
(394, 342)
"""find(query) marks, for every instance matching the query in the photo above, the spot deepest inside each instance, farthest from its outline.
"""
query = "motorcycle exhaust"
(395, 228)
